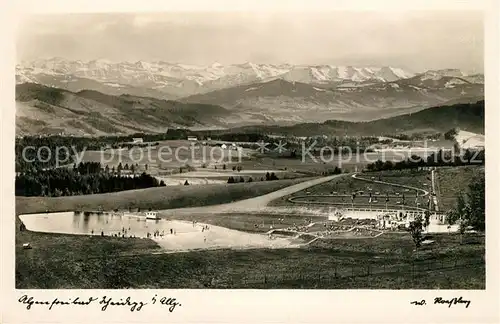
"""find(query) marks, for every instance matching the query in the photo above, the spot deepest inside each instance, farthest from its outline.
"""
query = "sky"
(414, 40)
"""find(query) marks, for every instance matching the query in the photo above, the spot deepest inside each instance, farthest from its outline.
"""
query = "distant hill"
(47, 110)
(280, 101)
(469, 117)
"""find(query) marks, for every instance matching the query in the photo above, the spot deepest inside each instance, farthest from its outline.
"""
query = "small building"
(192, 138)
(223, 146)
(137, 140)
(152, 215)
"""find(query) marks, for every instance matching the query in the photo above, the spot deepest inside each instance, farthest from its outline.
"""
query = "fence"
(317, 279)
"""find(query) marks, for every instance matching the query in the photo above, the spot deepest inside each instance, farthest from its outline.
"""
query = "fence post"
(265, 279)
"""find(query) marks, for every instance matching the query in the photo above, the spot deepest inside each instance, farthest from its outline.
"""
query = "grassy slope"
(98, 113)
(438, 119)
(452, 181)
(89, 263)
(156, 198)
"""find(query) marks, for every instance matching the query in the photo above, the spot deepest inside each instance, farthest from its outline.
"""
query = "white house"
(137, 140)
(192, 138)
(223, 146)
(152, 215)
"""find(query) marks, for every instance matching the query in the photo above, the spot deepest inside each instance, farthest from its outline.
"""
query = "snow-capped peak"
(162, 75)
(216, 65)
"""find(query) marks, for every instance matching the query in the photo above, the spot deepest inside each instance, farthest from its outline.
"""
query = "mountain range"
(281, 101)
(47, 110)
(237, 95)
(171, 81)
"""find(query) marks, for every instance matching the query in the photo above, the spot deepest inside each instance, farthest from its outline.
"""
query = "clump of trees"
(336, 170)
(236, 180)
(269, 177)
(82, 179)
(416, 229)
(470, 207)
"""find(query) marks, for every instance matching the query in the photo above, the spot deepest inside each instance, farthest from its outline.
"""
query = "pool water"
(173, 235)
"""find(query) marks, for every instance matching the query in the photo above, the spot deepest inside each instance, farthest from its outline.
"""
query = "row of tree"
(269, 177)
(440, 158)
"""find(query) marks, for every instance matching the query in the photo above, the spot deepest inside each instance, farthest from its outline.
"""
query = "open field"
(292, 165)
(347, 162)
(211, 176)
(167, 156)
(174, 162)
(388, 261)
(156, 198)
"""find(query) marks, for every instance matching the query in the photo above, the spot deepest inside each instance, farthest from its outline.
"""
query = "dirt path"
(252, 204)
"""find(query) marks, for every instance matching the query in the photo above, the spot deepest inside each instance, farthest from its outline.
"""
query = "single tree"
(415, 230)
(427, 219)
(186, 183)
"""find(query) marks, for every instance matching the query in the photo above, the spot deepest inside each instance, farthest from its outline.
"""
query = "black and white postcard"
(250, 162)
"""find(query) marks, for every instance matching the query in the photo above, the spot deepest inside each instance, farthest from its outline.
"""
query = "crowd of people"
(126, 233)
